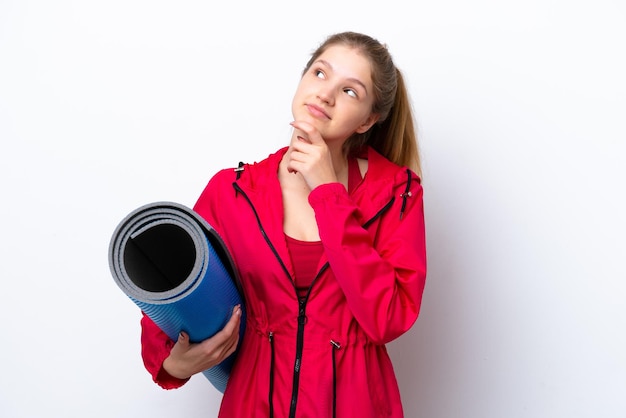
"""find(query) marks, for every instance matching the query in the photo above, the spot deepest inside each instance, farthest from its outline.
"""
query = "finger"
(293, 166)
(229, 329)
(300, 143)
(223, 344)
(303, 139)
(236, 314)
(309, 133)
(233, 322)
(232, 343)
(232, 347)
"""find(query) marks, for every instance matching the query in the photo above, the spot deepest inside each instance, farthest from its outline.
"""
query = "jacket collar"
(382, 181)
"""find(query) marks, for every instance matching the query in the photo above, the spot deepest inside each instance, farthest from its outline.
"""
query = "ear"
(371, 119)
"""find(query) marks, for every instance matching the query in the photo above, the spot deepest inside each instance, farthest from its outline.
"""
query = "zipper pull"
(302, 319)
(239, 169)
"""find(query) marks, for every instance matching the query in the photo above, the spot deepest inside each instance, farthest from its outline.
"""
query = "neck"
(340, 162)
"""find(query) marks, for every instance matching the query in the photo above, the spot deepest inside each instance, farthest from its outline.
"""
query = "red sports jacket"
(323, 356)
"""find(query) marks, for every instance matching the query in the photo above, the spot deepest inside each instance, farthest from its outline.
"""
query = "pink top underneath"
(305, 255)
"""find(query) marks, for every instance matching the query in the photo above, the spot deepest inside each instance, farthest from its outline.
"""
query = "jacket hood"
(383, 180)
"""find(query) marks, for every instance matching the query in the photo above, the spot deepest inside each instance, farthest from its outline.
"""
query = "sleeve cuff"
(324, 193)
(167, 381)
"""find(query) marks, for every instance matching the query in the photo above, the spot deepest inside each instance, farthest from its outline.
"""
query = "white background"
(108, 105)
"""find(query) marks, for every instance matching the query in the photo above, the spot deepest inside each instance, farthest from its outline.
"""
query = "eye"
(319, 74)
(351, 92)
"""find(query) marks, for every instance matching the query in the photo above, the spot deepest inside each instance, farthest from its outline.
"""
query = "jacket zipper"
(267, 239)
(298, 361)
(302, 320)
(301, 305)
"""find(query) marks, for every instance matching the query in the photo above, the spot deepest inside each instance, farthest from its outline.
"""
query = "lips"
(317, 111)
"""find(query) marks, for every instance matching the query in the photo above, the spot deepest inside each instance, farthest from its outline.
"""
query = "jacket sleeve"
(208, 203)
(155, 344)
(155, 347)
(383, 275)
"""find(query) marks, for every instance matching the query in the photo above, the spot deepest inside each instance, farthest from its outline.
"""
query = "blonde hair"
(394, 134)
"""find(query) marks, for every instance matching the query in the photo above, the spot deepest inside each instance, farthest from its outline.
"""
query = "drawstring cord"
(271, 394)
(407, 193)
(336, 346)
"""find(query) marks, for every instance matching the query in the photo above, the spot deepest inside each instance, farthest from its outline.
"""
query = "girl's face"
(336, 94)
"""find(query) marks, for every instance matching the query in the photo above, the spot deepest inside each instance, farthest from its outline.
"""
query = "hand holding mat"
(172, 264)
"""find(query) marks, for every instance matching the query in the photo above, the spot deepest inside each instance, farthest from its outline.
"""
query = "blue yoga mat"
(172, 264)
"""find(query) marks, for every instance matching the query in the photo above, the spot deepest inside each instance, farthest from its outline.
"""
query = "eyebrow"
(354, 80)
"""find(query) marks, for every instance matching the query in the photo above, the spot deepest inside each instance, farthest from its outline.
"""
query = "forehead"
(348, 62)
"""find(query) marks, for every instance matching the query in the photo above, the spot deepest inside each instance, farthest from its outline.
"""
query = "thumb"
(183, 338)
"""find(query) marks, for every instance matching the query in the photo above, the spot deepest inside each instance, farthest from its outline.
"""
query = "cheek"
(297, 100)
(293, 106)
(359, 117)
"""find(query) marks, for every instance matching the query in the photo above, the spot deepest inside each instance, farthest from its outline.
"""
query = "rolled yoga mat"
(169, 261)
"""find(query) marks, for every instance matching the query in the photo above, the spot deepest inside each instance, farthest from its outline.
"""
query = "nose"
(325, 95)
